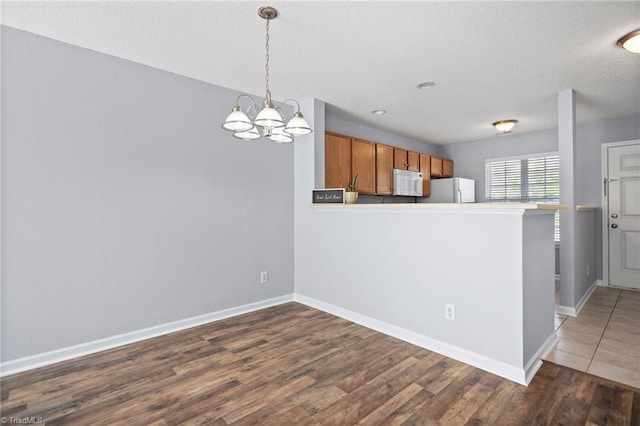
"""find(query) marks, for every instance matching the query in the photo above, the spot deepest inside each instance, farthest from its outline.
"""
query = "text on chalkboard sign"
(328, 196)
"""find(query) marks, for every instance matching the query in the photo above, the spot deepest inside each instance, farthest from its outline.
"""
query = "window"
(527, 179)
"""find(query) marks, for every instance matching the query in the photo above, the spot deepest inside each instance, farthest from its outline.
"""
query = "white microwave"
(408, 183)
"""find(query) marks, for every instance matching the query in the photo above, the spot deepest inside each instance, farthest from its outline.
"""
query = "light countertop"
(440, 206)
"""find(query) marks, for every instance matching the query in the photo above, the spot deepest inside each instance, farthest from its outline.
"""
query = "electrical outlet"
(264, 277)
(450, 312)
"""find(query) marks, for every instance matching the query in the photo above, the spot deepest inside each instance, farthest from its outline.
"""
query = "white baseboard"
(519, 375)
(565, 310)
(63, 354)
(573, 312)
(535, 362)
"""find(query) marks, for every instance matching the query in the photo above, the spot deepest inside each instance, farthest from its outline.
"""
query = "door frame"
(605, 206)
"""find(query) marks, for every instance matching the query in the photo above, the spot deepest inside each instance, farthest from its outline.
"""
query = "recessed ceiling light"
(631, 41)
(426, 85)
(378, 112)
(504, 126)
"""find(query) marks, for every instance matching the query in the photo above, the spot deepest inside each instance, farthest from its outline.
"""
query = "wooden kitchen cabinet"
(337, 160)
(363, 165)
(447, 168)
(425, 169)
(406, 160)
(373, 163)
(413, 161)
(384, 169)
(441, 167)
(436, 167)
(400, 158)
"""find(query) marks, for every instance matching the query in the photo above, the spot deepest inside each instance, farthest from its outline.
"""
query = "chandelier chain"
(266, 67)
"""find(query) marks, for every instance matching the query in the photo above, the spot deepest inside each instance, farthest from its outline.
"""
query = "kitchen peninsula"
(403, 268)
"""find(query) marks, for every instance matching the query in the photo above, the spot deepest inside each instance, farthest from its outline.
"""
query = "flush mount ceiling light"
(270, 119)
(426, 85)
(504, 126)
(631, 41)
(378, 112)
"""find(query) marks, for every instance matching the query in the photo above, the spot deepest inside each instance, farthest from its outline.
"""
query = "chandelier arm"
(294, 101)
(253, 102)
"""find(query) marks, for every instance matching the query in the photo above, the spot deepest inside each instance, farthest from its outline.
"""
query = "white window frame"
(523, 182)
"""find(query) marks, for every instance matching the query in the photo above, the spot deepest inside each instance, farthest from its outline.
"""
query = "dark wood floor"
(293, 365)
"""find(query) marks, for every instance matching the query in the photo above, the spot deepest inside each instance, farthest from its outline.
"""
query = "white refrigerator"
(451, 190)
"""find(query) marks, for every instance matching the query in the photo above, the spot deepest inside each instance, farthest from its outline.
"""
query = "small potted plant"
(351, 195)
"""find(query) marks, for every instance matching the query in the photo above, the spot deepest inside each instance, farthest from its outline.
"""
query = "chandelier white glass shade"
(237, 121)
(248, 135)
(269, 118)
(278, 135)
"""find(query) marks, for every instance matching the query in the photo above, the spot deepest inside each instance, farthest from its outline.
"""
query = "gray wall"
(590, 137)
(537, 293)
(358, 130)
(569, 251)
(470, 157)
(124, 204)
(585, 253)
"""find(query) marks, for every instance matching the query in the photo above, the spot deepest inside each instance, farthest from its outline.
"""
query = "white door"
(623, 167)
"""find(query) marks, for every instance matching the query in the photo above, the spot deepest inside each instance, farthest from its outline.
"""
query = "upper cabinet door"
(384, 169)
(363, 164)
(447, 168)
(425, 169)
(413, 161)
(400, 158)
(436, 166)
(337, 160)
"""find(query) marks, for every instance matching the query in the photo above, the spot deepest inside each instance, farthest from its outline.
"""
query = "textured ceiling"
(490, 60)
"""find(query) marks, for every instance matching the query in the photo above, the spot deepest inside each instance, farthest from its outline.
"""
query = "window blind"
(526, 179)
(505, 180)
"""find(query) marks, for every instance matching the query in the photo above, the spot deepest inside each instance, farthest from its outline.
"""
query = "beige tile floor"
(604, 339)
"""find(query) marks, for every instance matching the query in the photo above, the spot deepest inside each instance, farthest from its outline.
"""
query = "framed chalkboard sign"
(328, 195)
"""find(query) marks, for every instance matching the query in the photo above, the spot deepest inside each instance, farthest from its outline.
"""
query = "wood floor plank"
(444, 401)
(489, 411)
(571, 411)
(380, 414)
(366, 370)
(294, 365)
(365, 399)
(442, 374)
(401, 415)
(294, 416)
(461, 411)
(635, 410)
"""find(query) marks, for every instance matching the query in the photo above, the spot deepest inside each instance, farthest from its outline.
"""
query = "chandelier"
(270, 119)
